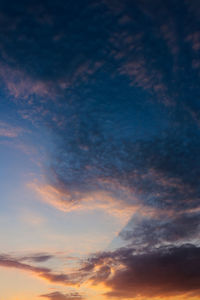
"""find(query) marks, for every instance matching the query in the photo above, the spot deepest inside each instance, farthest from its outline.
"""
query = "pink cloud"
(9, 131)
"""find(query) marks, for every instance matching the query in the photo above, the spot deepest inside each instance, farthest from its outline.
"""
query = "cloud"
(9, 131)
(20, 86)
(37, 258)
(138, 47)
(141, 41)
(157, 173)
(127, 272)
(44, 273)
(162, 228)
(66, 201)
(117, 86)
(60, 296)
(30, 38)
(150, 50)
(165, 271)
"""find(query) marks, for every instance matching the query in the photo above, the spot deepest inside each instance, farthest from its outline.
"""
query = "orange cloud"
(65, 201)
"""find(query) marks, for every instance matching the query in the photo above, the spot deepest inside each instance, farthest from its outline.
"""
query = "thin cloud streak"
(41, 272)
(60, 296)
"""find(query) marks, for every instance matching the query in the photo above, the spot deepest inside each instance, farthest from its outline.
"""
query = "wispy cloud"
(44, 273)
(10, 131)
(40, 257)
(60, 296)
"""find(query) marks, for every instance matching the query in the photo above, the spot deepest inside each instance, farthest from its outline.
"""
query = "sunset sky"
(99, 149)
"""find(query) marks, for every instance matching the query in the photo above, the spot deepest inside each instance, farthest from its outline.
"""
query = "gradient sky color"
(99, 150)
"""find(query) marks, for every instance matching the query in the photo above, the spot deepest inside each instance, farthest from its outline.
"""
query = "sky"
(99, 150)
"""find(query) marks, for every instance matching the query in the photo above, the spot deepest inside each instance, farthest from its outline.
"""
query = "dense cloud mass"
(162, 272)
(116, 83)
(151, 232)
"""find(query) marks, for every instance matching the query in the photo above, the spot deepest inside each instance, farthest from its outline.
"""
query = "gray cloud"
(37, 257)
(45, 273)
(154, 231)
(60, 296)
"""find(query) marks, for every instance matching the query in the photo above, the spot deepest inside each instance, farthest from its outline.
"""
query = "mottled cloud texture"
(116, 83)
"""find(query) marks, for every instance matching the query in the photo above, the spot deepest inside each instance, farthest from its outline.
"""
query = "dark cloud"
(154, 231)
(37, 258)
(53, 49)
(161, 172)
(114, 135)
(162, 272)
(47, 47)
(49, 38)
(64, 44)
(7, 261)
(60, 296)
